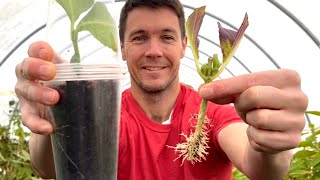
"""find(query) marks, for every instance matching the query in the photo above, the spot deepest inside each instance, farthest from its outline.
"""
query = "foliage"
(196, 145)
(238, 175)
(14, 155)
(229, 42)
(306, 160)
(97, 21)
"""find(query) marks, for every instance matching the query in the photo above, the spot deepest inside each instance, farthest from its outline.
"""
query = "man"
(157, 108)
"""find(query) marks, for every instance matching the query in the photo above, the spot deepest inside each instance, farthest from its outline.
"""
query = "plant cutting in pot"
(196, 146)
(86, 118)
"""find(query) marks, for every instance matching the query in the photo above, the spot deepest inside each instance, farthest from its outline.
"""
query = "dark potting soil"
(85, 141)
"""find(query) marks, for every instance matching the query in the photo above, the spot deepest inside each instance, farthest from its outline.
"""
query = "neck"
(157, 106)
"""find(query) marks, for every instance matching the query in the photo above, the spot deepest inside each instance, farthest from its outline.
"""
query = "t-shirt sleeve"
(221, 116)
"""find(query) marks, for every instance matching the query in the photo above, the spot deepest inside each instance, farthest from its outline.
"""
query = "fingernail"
(42, 54)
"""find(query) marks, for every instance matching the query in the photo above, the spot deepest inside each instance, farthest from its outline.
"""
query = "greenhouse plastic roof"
(281, 34)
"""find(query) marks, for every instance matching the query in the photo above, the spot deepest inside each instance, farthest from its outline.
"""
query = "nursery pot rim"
(78, 71)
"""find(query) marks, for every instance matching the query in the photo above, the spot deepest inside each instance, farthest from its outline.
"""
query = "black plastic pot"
(86, 121)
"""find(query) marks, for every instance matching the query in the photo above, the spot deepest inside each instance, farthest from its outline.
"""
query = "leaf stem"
(75, 44)
(74, 39)
(202, 115)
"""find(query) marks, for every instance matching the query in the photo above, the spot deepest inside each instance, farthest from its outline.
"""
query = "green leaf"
(316, 132)
(304, 144)
(315, 161)
(11, 103)
(216, 62)
(193, 25)
(2, 159)
(297, 164)
(298, 173)
(25, 155)
(74, 8)
(101, 25)
(310, 138)
(209, 69)
(304, 153)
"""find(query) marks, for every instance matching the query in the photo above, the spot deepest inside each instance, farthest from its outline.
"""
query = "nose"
(154, 49)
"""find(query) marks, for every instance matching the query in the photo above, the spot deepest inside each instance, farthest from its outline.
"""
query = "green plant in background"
(196, 145)
(97, 21)
(306, 160)
(14, 155)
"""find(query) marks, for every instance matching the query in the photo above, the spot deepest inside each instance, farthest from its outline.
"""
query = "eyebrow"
(170, 30)
(140, 31)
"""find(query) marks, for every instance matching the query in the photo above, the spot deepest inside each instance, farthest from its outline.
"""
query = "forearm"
(41, 155)
(261, 166)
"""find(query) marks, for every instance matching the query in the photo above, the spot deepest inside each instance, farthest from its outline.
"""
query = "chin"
(153, 88)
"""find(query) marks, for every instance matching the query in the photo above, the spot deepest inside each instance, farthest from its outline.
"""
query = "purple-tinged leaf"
(193, 25)
(230, 39)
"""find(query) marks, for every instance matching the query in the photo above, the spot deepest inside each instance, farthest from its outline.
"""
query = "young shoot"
(195, 148)
(98, 22)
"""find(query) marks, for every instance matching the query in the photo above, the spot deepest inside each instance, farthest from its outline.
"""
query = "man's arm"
(233, 140)
(41, 155)
(272, 105)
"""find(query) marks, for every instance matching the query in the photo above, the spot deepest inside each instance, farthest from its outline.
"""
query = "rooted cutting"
(195, 148)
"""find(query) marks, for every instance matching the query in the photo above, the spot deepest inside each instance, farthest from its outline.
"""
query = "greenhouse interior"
(281, 35)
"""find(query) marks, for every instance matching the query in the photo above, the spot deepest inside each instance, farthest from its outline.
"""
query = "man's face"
(153, 48)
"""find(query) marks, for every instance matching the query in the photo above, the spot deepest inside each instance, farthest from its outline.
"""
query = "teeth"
(153, 68)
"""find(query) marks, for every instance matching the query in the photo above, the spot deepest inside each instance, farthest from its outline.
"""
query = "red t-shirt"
(143, 154)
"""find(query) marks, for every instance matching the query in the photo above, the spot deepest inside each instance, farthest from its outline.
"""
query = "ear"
(184, 46)
(123, 52)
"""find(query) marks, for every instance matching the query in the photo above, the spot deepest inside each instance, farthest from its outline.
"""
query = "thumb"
(41, 50)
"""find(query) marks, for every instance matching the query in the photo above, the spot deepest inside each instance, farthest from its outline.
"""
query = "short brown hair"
(130, 5)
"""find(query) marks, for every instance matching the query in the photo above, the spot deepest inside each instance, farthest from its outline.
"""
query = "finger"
(41, 50)
(228, 89)
(261, 148)
(36, 124)
(273, 141)
(35, 69)
(268, 97)
(259, 97)
(44, 51)
(34, 92)
(275, 120)
(32, 120)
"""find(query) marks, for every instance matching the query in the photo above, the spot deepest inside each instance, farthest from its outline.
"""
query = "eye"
(168, 38)
(139, 39)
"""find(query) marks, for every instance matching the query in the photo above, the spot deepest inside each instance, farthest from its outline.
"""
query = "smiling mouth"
(153, 68)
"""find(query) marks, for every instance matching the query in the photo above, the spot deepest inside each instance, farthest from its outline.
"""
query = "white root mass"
(196, 146)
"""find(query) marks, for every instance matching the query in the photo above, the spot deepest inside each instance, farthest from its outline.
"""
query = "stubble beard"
(155, 90)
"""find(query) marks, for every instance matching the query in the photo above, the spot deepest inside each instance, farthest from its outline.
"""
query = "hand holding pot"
(271, 103)
(34, 98)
